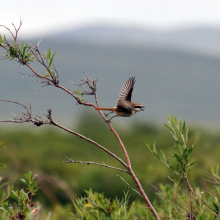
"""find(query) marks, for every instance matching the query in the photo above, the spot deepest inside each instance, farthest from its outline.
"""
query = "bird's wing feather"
(124, 99)
(124, 106)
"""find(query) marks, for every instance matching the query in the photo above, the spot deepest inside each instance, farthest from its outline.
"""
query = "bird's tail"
(105, 109)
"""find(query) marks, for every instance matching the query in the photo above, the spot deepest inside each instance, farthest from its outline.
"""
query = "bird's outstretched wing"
(124, 99)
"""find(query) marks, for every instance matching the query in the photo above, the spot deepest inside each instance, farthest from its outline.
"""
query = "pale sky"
(51, 15)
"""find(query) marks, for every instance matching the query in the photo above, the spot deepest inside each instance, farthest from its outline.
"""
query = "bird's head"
(138, 107)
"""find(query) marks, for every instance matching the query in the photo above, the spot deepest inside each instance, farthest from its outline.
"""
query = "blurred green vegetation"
(42, 150)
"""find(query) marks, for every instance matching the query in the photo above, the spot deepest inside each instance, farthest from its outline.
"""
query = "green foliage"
(182, 152)
(22, 208)
(49, 146)
(174, 203)
(80, 95)
(19, 52)
(3, 41)
(32, 185)
(24, 54)
(97, 206)
(5, 188)
(50, 72)
(55, 145)
(2, 165)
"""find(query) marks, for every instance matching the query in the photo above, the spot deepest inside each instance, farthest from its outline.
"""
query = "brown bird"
(125, 107)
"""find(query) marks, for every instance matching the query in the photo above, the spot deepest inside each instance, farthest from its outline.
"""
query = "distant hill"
(177, 73)
(202, 39)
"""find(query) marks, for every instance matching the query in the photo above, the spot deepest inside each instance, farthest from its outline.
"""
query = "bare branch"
(27, 116)
(99, 164)
(8, 30)
(91, 84)
(85, 138)
(129, 187)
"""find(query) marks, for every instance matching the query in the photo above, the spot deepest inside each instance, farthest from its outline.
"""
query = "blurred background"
(171, 47)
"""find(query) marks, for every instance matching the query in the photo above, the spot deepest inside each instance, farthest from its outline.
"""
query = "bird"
(125, 107)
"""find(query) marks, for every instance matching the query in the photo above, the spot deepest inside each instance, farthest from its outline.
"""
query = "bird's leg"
(112, 117)
(108, 114)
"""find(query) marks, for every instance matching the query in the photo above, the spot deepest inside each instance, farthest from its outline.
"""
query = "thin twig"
(27, 116)
(99, 164)
(129, 187)
(206, 203)
(190, 191)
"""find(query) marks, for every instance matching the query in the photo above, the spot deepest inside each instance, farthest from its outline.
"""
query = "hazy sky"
(51, 15)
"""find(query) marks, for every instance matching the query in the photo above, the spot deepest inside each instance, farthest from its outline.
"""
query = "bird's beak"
(142, 108)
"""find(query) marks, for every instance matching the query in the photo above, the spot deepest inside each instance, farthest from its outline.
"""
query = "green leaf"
(163, 155)
(14, 195)
(183, 127)
(171, 131)
(34, 176)
(177, 158)
(5, 40)
(174, 121)
(153, 150)
(186, 136)
(216, 207)
(12, 52)
(48, 54)
(51, 60)
(185, 153)
(24, 50)
(171, 167)
(24, 181)
(190, 152)
(191, 163)
(29, 174)
(5, 205)
(26, 176)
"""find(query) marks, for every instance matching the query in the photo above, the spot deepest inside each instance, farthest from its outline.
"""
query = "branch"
(129, 187)
(86, 162)
(54, 80)
(27, 116)
(143, 194)
(205, 203)
(85, 138)
(190, 191)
